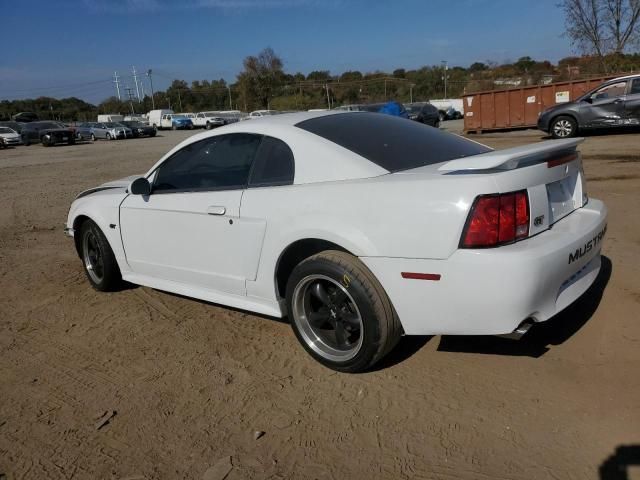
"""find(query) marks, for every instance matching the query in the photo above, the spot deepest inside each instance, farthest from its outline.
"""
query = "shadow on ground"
(552, 332)
(616, 467)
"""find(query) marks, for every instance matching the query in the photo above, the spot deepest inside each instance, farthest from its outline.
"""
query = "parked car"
(80, 130)
(230, 116)
(615, 103)
(17, 126)
(47, 133)
(139, 129)
(9, 137)
(356, 226)
(155, 117)
(175, 122)
(207, 120)
(25, 117)
(263, 113)
(109, 131)
(423, 112)
(390, 108)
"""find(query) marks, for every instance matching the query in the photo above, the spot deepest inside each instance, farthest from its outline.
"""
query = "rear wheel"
(93, 137)
(208, 126)
(108, 136)
(99, 261)
(340, 313)
(46, 141)
(174, 127)
(563, 127)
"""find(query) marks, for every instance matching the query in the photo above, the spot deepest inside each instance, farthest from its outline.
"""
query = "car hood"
(560, 106)
(9, 135)
(54, 130)
(120, 183)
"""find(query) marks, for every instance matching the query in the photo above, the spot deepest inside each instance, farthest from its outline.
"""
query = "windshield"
(113, 125)
(178, 117)
(6, 130)
(390, 142)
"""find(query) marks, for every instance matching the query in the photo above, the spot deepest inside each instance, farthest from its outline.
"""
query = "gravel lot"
(185, 384)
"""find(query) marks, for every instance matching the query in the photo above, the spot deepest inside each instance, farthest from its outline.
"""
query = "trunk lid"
(550, 171)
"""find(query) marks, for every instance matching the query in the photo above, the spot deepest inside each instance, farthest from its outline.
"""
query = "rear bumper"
(491, 291)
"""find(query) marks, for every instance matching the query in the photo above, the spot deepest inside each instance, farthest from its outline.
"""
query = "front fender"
(103, 208)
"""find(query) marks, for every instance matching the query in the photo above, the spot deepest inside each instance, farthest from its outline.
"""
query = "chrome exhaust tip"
(520, 330)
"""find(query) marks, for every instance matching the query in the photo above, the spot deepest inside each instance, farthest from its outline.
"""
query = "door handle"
(216, 210)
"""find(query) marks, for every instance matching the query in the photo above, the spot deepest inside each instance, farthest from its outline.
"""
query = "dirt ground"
(191, 382)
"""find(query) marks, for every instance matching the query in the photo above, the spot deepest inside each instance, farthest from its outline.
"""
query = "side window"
(217, 163)
(635, 87)
(610, 91)
(274, 164)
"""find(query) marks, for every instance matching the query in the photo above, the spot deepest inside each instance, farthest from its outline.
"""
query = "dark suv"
(47, 133)
(424, 112)
(615, 103)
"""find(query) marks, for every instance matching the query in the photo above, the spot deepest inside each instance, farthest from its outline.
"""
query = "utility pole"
(116, 80)
(129, 91)
(153, 102)
(385, 89)
(135, 79)
(328, 99)
(444, 76)
(230, 102)
(411, 93)
(179, 100)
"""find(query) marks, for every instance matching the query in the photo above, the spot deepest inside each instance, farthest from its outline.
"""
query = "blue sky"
(72, 47)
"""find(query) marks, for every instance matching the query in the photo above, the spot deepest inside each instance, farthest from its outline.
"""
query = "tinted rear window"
(393, 143)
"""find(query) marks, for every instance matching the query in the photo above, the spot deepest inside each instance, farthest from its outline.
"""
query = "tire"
(98, 259)
(26, 142)
(442, 117)
(72, 141)
(93, 137)
(208, 126)
(563, 127)
(174, 127)
(355, 324)
(45, 141)
(108, 136)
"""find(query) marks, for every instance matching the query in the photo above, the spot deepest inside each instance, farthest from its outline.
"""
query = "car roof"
(317, 159)
(626, 77)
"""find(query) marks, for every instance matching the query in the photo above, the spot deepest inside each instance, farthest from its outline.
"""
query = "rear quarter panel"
(408, 216)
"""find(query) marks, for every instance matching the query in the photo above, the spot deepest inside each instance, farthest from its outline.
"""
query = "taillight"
(497, 219)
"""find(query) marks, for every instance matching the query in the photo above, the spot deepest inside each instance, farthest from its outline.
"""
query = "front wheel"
(99, 261)
(93, 137)
(340, 313)
(564, 127)
(108, 136)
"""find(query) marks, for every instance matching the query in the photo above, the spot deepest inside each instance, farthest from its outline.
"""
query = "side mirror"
(140, 186)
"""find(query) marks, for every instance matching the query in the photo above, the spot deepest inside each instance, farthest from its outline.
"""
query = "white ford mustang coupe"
(361, 227)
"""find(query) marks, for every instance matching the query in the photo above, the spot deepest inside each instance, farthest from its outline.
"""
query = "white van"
(155, 117)
(110, 117)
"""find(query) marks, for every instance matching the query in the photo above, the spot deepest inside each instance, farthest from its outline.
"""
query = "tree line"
(602, 31)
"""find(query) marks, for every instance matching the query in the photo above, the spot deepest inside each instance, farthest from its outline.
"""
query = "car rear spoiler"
(512, 158)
